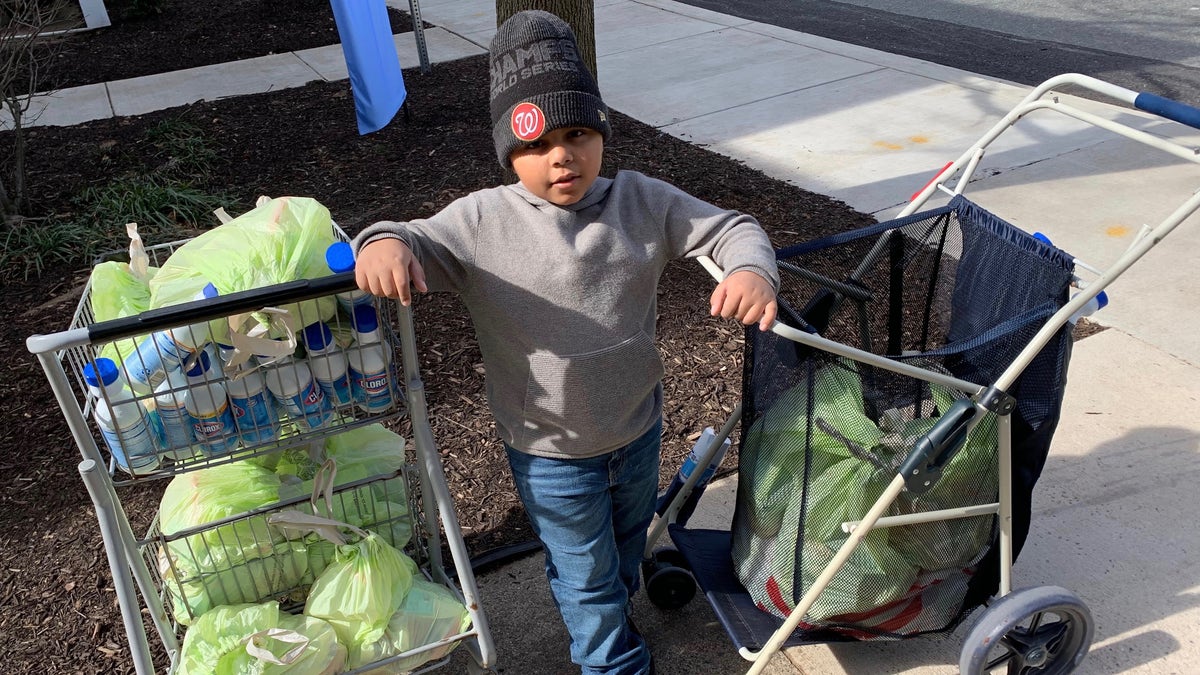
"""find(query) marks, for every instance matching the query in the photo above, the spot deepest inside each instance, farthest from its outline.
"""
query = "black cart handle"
(219, 307)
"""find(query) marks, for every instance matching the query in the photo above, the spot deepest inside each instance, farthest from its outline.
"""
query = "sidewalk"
(870, 128)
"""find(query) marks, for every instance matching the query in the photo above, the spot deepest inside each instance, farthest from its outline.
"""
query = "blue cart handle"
(1165, 107)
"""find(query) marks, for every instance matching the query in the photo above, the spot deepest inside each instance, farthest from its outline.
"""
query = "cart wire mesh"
(955, 291)
(244, 558)
(178, 446)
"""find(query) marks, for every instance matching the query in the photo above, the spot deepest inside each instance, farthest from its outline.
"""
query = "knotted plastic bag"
(429, 613)
(280, 240)
(119, 289)
(260, 639)
(360, 590)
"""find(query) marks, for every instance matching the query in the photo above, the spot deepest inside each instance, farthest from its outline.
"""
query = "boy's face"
(560, 166)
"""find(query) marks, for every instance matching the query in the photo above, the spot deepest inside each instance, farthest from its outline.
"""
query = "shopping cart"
(243, 558)
(894, 423)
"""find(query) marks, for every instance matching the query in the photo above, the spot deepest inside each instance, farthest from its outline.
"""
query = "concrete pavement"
(1111, 513)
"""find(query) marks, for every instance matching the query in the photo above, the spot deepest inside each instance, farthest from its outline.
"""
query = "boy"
(559, 273)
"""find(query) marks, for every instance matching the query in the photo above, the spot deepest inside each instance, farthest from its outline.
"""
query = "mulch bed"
(59, 612)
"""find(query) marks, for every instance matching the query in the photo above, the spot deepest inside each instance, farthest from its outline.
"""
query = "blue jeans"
(591, 516)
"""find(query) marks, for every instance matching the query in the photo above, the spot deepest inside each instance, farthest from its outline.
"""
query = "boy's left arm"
(746, 296)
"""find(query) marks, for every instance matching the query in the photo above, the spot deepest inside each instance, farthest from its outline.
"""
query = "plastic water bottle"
(254, 411)
(370, 360)
(212, 419)
(293, 386)
(340, 258)
(328, 364)
(689, 465)
(166, 350)
(1091, 307)
(175, 422)
(123, 421)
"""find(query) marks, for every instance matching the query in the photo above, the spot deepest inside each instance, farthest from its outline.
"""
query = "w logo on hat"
(528, 121)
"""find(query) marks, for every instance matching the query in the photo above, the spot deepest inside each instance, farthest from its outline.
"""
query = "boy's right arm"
(385, 266)
(430, 253)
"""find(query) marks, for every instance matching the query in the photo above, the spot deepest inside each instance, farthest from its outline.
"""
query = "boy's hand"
(385, 267)
(747, 297)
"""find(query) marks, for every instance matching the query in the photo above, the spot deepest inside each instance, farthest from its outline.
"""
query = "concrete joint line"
(773, 96)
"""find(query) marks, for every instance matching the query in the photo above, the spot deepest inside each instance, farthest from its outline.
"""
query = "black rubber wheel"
(669, 585)
(1045, 630)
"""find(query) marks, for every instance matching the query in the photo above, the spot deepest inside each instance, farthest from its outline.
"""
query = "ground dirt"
(57, 605)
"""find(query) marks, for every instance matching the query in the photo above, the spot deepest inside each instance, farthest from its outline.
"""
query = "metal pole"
(117, 561)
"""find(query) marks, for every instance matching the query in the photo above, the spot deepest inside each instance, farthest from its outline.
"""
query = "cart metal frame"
(131, 574)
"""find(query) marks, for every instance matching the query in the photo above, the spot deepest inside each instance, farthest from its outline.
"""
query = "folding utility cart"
(894, 422)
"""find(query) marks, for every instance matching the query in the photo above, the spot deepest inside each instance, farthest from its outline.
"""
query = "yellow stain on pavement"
(1116, 231)
(888, 146)
(918, 139)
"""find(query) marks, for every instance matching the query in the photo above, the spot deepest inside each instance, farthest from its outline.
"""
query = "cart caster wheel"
(668, 583)
(1034, 631)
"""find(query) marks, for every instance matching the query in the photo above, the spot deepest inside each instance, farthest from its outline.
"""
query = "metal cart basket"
(241, 557)
(894, 423)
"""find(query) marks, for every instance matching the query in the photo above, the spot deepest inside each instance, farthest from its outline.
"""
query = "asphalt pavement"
(1112, 511)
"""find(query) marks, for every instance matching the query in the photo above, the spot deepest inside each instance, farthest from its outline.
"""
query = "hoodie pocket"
(591, 400)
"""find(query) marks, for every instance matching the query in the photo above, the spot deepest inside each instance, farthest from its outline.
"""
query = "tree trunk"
(579, 14)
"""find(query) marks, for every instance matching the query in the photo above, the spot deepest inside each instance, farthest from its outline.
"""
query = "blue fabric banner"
(375, 76)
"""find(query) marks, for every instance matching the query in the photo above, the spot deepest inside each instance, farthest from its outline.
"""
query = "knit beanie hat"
(539, 83)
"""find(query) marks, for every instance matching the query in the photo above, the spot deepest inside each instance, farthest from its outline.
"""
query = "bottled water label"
(337, 391)
(348, 301)
(255, 417)
(154, 356)
(308, 407)
(133, 447)
(176, 426)
(216, 431)
(373, 390)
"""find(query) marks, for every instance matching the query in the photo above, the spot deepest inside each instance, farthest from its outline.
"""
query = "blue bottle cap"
(105, 368)
(365, 318)
(340, 257)
(317, 335)
(1101, 300)
(200, 366)
(209, 292)
(1042, 238)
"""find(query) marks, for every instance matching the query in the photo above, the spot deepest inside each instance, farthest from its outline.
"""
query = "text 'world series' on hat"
(539, 83)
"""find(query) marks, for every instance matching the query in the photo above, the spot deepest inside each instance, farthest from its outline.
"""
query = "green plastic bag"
(218, 492)
(260, 640)
(353, 455)
(281, 240)
(970, 478)
(842, 484)
(360, 453)
(875, 573)
(430, 612)
(776, 475)
(194, 591)
(118, 290)
(245, 560)
(360, 590)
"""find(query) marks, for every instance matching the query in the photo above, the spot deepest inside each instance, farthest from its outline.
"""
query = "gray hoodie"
(563, 299)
